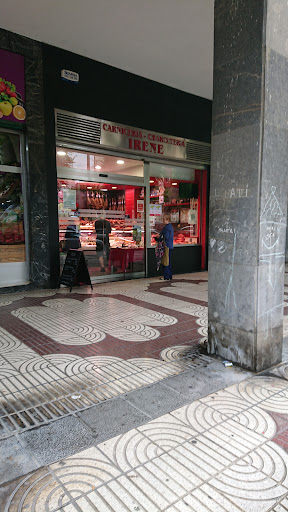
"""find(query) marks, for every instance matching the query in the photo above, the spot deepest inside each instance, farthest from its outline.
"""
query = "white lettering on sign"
(69, 76)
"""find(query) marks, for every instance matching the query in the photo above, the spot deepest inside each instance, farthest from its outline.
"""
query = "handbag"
(159, 250)
(165, 258)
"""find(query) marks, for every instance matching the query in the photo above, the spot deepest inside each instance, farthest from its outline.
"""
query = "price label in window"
(140, 205)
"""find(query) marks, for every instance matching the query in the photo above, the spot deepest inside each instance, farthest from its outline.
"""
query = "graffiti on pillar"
(230, 292)
(272, 252)
(225, 241)
(273, 232)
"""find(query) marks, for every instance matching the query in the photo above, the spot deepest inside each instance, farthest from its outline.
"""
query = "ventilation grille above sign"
(72, 127)
(198, 152)
(92, 132)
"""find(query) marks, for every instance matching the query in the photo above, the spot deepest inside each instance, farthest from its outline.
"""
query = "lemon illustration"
(13, 101)
(6, 108)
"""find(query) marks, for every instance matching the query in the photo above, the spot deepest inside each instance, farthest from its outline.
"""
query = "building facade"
(72, 105)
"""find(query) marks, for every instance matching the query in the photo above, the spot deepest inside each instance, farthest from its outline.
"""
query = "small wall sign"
(69, 76)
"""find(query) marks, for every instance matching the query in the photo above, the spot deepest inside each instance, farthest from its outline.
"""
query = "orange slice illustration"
(19, 112)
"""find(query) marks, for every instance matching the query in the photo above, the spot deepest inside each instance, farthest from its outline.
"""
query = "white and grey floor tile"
(196, 458)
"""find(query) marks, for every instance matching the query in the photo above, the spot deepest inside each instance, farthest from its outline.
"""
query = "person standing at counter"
(168, 233)
(103, 230)
(72, 240)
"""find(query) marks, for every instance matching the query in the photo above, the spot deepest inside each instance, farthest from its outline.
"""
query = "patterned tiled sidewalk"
(55, 346)
(63, 356)
(224, 452)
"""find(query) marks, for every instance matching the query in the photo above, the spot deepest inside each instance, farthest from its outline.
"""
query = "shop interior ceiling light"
(151, 181)
(174, 183)
(98, 167)
(120, 162)
(89, 187)
(61, 153)
(114, 187)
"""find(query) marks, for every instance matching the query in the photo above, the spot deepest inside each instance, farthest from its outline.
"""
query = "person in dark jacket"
(103, 230)
(72, 240)
(168, 233)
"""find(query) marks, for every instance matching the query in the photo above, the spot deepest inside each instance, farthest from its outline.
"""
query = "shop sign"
(69, 76)
(143, 142)
(12, 87)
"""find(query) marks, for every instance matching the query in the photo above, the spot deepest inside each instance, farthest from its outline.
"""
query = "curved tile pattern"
(71, 322)
(197, 458)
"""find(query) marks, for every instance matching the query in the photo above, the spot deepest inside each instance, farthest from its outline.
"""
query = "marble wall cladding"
(233, 196)
(231, 295)
(276, 97)
(237, 94)
(276, 136)
(237, 69)
(36, 165)
(232, 343)
(268, 348)
(273, 186)
(277, 23)
(273, 197)
(270, 288)
(238, 29)
(249, 159)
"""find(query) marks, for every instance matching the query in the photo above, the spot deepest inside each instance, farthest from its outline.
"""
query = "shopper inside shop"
(72, 240)
(168, 233)
(103, 230)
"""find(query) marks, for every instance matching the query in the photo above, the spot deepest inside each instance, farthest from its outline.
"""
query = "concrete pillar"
(248, 199)
(286, 250)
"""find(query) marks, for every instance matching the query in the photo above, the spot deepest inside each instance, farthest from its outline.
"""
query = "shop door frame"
(67, 173)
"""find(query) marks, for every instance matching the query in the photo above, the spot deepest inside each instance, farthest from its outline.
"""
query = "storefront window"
(106, 221)
(9, 149)
(171, 192)
(103, 164)
(12, 239)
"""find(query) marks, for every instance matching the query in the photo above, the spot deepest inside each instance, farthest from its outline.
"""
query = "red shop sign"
(142, 141)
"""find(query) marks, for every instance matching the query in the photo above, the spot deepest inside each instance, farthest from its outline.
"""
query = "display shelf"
(121, 233)
(176, 204)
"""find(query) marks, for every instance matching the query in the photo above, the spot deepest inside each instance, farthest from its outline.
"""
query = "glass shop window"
(102, 164)
(12, 238)
(176, 191)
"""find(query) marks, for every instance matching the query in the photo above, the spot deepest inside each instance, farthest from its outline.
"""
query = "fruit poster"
(12, 87)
